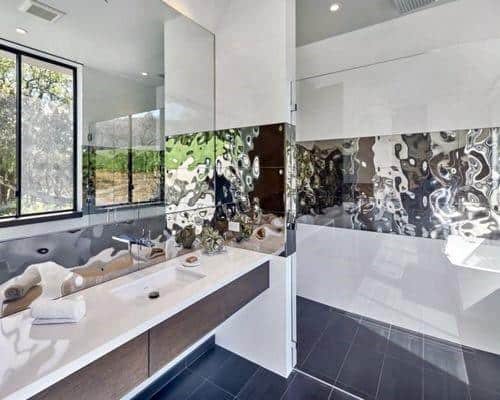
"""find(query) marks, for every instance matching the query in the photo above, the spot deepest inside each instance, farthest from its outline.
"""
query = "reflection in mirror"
(95, 76)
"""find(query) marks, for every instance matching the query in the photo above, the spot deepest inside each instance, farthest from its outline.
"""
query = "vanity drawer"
(242, 291)
(110, 377)
(170, 338)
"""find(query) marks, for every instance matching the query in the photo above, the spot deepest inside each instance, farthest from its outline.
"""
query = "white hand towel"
(57, 311)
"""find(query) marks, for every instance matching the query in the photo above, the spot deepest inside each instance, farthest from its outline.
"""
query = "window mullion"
(19, 79)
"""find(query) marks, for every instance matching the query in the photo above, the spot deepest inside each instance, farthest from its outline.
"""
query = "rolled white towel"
(58, 311)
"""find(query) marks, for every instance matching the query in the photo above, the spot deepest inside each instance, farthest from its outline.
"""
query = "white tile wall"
(409, 282)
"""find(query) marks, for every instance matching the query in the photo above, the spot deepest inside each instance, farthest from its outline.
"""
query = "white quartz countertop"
(34, 357)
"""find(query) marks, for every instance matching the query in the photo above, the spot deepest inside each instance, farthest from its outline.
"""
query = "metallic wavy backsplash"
(241, 175)
(425, 184)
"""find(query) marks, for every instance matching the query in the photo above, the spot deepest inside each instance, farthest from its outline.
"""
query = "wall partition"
(398, 172)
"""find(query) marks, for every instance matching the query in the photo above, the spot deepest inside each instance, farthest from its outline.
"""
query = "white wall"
(451, 84)
(255, 42)
(448, 289)
(262, 330)
(254, 57)
(107, 96)
(207, 13)
(189, 77)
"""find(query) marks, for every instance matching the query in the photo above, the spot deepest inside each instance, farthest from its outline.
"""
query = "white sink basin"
(165, 281)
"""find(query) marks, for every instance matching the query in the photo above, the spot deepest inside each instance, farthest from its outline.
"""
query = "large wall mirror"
(88, 91)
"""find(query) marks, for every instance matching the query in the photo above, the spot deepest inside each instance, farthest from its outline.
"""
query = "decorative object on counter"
(260, 233)
(20, 285)
(186, 237)
(191, 261)
(155, 253)
(58, 311)
(245, 227)
(211, 240)
(428, 185)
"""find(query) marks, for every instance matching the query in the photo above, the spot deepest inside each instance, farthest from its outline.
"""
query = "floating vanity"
(126, 336)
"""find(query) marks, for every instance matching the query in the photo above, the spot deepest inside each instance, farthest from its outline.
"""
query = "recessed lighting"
(21, 31)
(144, 74)
(335, 7)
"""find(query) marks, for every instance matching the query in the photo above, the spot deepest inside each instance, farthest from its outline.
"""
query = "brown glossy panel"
(110, 377)
(270, 189)
(269, 146)
(170, 338)
(243, 290)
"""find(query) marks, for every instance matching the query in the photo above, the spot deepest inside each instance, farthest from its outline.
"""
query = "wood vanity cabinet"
(110, 377)
(118, 372)
(170, 338)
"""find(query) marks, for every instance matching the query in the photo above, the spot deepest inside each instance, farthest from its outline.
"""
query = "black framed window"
(128, 160)
(38, 136)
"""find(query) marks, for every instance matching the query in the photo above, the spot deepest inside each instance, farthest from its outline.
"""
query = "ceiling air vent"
(41, 10)
(407, 6)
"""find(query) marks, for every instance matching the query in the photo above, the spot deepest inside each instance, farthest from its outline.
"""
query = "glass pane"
(8, 169)
(111, 176)
(146, 157)
(47, 137)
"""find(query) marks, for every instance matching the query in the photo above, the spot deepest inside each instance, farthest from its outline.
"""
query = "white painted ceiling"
(315, 21)
(123, 37)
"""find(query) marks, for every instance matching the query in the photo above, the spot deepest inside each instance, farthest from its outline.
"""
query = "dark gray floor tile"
(441, 386)
(312, 319)
(360, 372)
(447, 359)
(342, 328)
(234, 373)
(400, 380)
(306, 307)
(181, 387)
(372, 336)
(341, 395)
(405, 346)
(161, 382)
(483, 370)
(200, 350)
(208, 391)
(478, 394)
(325, 360)
(337, 311)
(302, 387)
(210, 362)
(264, 385)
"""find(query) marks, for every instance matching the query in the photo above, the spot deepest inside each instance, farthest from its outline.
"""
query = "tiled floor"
(221, 375)
(374, 360)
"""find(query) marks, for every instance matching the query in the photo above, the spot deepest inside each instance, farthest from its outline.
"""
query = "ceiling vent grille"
(408, 6)
(41, 10)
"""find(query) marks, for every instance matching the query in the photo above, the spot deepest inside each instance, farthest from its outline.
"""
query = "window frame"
(19, 218)
(130, 174)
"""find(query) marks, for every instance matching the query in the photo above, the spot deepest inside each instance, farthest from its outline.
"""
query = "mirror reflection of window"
(47, 137)
(8, 168)
(38, 155)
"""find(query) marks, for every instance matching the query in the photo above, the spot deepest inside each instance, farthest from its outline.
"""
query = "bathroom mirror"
(87, 80)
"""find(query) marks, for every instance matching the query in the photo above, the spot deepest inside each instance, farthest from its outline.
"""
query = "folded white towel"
(58, 311)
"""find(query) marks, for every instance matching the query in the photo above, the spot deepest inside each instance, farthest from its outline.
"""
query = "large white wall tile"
(409, 282)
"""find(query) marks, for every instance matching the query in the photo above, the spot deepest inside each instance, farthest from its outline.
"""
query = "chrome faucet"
(140, 242)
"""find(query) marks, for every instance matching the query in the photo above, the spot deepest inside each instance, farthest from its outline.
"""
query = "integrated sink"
(165, 281)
